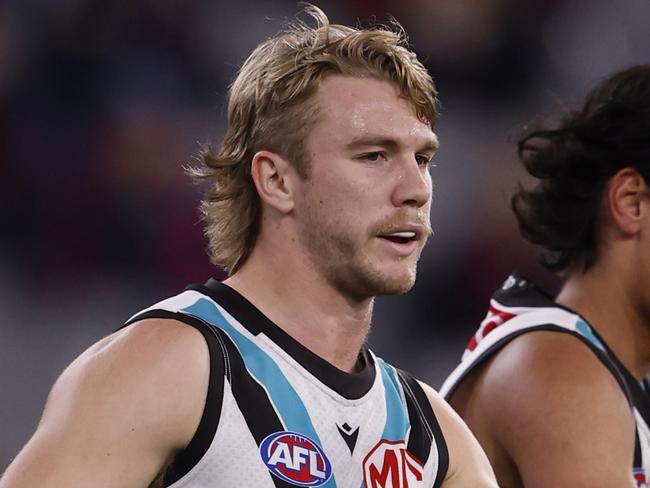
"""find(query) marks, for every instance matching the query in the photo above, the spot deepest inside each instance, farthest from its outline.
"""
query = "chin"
(393, 283)
(366, 279)
(398, 288)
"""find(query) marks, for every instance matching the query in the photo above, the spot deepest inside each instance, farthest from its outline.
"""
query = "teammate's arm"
(119, 411)
(468, 464)
(558, 413)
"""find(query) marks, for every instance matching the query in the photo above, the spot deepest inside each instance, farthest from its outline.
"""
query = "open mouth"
(400, 237)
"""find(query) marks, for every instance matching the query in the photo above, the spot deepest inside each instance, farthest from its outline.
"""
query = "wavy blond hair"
(271, 107)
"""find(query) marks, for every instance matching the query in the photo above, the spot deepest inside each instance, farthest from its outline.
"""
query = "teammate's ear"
(272, 177)
(628, 200)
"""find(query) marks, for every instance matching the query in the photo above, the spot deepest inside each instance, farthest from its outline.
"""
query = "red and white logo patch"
(640, 478)
(390, 465)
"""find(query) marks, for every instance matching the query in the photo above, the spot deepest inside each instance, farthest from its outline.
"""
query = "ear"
(627, 198)
(272, 175)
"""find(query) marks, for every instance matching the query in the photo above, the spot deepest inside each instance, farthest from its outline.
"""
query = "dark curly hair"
(573, 163)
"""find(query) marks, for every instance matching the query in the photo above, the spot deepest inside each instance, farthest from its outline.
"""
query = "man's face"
(363, 212)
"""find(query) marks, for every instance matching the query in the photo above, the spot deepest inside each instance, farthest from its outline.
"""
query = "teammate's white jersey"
(520, 307)
(277, 415)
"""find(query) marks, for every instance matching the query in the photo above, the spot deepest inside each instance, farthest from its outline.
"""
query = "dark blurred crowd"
(102, 103)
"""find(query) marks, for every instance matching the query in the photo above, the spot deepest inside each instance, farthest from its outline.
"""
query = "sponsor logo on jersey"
(349, 435)
(295, 458)
(390, 465)
(640, 478)
(494, 318)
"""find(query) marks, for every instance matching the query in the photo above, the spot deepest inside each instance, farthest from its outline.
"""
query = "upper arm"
(119, 411)
(468, 465)
(557, 412)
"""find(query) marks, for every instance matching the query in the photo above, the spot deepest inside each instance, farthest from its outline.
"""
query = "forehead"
(356, 107)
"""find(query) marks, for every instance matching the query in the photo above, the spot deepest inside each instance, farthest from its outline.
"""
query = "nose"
(413, 185)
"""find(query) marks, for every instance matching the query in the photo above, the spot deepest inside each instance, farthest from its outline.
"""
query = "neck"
(289, 291)
(603, 299)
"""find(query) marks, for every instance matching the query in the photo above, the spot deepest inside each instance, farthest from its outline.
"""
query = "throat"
(337, 344)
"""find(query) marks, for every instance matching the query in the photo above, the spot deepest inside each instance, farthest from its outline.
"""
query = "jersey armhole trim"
(425, 414)
(494, 348)
(185, 460)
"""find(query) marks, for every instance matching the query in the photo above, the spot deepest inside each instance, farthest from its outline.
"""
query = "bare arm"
(468, 464)
(119, 411)
(556, 412)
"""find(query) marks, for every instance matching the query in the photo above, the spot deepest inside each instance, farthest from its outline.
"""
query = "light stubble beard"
(349, 269)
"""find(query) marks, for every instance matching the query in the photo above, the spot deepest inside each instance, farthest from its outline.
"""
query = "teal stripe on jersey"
(584, 330)
(397, 418)
(290, 408)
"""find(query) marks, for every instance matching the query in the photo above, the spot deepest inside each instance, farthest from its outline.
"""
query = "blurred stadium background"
(101, 103)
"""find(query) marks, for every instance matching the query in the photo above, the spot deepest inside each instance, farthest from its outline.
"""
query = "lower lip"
(402, 249)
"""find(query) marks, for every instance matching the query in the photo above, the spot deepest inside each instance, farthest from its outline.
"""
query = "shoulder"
(552, 388)
(119, 412)
(146, 349)
(555, 367)
(156, 361)
(468, 464)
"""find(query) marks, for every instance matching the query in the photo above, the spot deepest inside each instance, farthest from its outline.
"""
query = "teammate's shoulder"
(552, 387)
(544, 353)
(546, 372)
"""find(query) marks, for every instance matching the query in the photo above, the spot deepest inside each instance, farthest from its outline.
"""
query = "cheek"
(344, 197)
(364, 193)
(427, 207)
(326, 207)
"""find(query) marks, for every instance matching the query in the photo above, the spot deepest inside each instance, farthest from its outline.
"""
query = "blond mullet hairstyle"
(271, 107)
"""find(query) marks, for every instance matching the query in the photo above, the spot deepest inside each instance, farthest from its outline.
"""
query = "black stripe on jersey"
(637, 397)
(600, 354)
(638, 454)
(207, 428)
(349, 385)
(425, 429)
(252, 400)
(641, 401)
(521, 292)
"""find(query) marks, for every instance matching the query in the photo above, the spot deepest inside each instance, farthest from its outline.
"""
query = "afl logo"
(295, 458)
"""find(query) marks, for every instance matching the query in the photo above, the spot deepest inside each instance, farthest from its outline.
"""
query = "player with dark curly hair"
(556, 389)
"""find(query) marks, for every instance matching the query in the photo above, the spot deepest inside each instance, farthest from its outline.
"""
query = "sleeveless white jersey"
(277, 415)
(520, 307)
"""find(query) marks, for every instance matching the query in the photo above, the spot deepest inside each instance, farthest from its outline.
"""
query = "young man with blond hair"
(319, 201)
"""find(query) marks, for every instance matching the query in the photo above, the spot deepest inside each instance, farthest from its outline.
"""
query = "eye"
(424, 160)
(373, 156)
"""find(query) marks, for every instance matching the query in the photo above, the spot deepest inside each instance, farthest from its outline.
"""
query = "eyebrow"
(431, 144)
